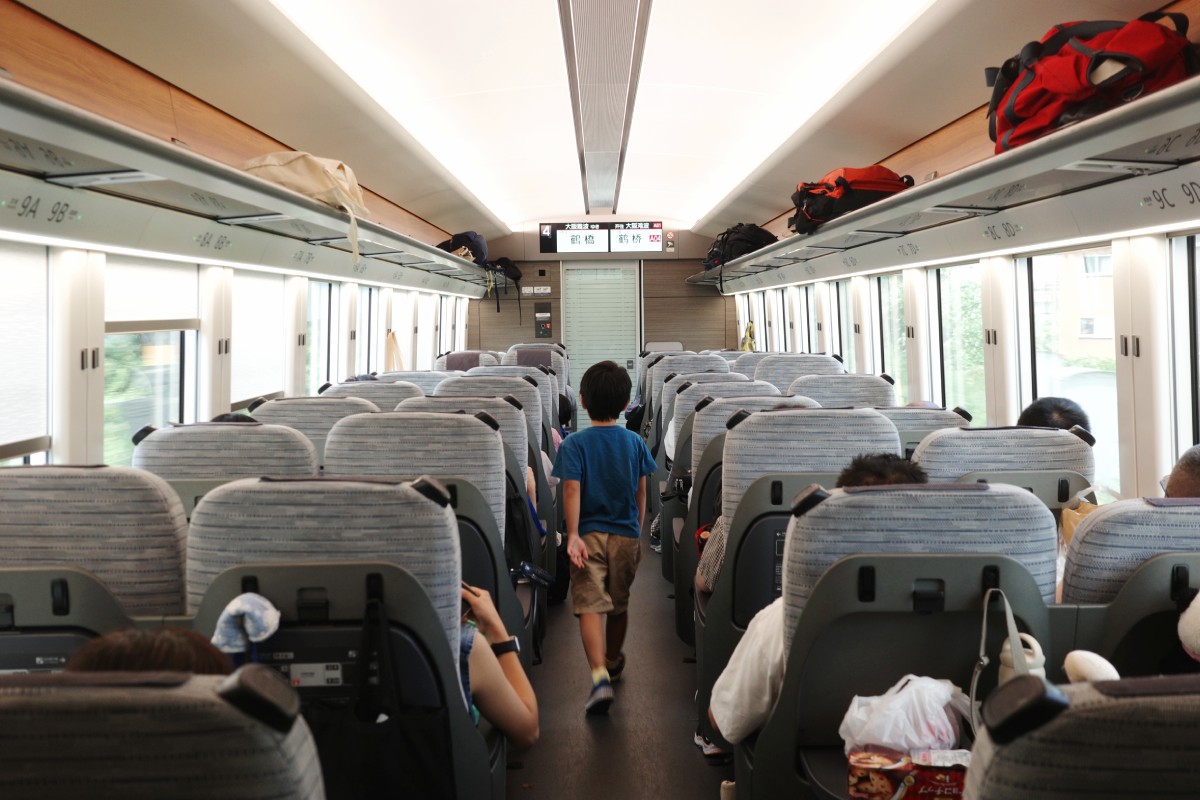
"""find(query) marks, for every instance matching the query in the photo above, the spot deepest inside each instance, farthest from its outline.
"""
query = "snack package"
(878, 773)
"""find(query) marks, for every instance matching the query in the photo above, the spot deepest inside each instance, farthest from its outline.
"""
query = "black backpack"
(470, 240)
(736, 242)
(507, 268)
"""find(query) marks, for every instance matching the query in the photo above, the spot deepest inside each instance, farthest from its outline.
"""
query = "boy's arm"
(576, 549)
(641, 500)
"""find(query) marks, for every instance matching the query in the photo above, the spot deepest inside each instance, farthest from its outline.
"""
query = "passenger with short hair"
(604, 470)
(1184, 480)
(745, 692)
(166, 649)
(234, 416)
(1054, 412)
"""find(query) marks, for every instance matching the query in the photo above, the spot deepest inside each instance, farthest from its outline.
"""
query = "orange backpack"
(841, 191)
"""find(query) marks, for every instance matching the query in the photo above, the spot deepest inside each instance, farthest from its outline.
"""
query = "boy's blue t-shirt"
(607, 461)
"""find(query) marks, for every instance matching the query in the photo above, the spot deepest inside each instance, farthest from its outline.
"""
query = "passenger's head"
(1054, 412)
(604, 391)
(1184, 480)
(880, 469)
(235, 416)
(152, 650)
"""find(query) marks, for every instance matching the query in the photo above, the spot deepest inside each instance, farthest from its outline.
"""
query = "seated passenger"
(235, 416)
(1184, 480)
(151, 650)
(874, 469)
(1054, 412)
(745, 692)
(493, 679)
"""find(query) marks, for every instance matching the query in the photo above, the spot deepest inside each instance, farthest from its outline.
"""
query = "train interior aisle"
(647, 734)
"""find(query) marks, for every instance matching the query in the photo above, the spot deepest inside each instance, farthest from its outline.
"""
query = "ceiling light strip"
(568, 31)
(635, 74)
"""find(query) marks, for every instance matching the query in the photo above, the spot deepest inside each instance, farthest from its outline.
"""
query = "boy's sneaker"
(615, 668)
(656, 544)
(600, 698)
(708, 748)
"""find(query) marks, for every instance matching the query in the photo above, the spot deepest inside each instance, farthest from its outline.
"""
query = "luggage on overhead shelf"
(475, 245)
(842, 191)
(736, 242)
(1081, 69)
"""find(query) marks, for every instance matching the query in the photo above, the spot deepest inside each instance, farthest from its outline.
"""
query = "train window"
(24, 318)
(812, 321)
(31, 459)
(775, 334)
(426, 342)
(258, 346)
(322, 321)
(403, 320)
(893, 338)
(365, 341)
(1185, 339)
(141, 288)
(145, 383)
(460, 329)
(1071, 293)
(742, 309)
(447, 322)
(845, 325)
(959, 292)
(756, 302)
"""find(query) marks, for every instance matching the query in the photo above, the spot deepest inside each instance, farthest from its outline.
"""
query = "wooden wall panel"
(673, 310)
(49, 58)
(489, 330)
(44, 56)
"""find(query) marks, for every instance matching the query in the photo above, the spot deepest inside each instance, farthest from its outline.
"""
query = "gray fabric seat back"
(962, 518)
(261, 521)
(799, 440)
(124, 525)
(144, 735)
(404, 444)
(687, 396)
(670, 388)
(312, 416)
(728, 355)
(426, 379)
(710, 420)
(464, 360)
(499, 386)
(224, 451)
(545, 385)
(644, 363)
(845, 391)
(384, 394)
(950, 453)
(680, 364)
(747, 363)
(1116, 739)
(782, 369)
(514, 427)
(1114, 540)
(917, 422)
(537, 346)
(550, 357)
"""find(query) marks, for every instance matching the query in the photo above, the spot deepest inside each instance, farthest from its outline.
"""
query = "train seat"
(914, 424)
(547, 394)
(782, 369)
(384, 394)
(1053, 464)
(871, 618)
(846, 391)
(796, 447)
(669, 393)
(1114, 540)
(268, 521)
(311, 416)
(728, 355)
(126, 526)
(679, 364)
(1120, 738)
(452, 448)
(198, 457)
(463, 360)
(747, 363)
(426, 379)
(161, 734)
(550, 357)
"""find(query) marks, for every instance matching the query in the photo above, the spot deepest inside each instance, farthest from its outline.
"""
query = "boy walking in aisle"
(604, 470)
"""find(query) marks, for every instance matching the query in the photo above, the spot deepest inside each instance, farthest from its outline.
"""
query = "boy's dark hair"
(1054, 412)
(880, 469)
(151, 650)
(605, 389)
(234, 416)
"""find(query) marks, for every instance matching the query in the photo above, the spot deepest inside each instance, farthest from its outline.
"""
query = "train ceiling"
(494, 116)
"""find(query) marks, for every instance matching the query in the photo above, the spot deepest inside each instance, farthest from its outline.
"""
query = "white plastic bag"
(917, 713)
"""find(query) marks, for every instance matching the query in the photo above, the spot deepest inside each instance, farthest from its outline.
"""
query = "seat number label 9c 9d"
(302, 675)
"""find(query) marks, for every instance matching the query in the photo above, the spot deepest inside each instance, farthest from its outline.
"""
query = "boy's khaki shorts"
(602, 586)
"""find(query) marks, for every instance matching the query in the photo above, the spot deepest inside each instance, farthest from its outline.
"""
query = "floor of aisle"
(643, 747)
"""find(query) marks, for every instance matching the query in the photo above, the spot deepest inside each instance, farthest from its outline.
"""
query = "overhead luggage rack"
(1112, 163)
(69, 174)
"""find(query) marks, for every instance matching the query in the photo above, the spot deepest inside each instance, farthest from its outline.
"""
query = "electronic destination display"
(600, 237)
